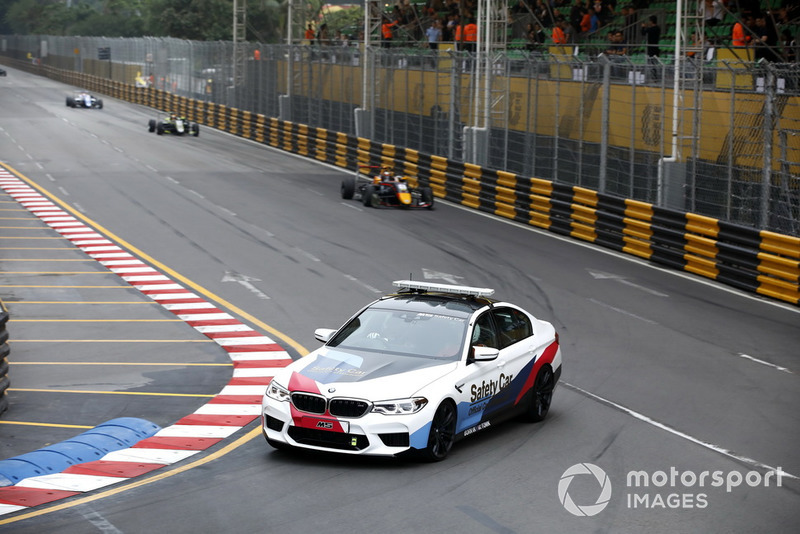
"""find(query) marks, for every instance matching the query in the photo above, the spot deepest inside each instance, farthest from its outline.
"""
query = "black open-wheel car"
(385, 189)
(172, 124)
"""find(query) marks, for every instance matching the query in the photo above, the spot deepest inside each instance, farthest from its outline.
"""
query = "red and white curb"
(255, 358)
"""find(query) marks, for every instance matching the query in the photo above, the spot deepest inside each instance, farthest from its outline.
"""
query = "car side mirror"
(324, 334)
(484, 354)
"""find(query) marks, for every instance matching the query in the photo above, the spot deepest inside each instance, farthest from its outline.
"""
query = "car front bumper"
(373, 434)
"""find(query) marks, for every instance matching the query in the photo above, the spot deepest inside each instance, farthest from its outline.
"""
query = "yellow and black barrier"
(5, 350)
(762, 262)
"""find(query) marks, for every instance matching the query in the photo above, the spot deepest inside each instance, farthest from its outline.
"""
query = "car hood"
(363, 374)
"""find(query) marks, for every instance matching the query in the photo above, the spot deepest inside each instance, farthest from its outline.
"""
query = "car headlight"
(278, 392)
(399, 406)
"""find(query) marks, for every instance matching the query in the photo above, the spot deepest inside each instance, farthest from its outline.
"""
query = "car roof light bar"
(444, 288)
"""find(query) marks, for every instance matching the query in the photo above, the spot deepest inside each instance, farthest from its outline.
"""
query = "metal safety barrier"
(758, 261)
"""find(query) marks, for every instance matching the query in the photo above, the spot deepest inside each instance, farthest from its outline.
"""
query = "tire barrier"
(758, 261)
(5, 350)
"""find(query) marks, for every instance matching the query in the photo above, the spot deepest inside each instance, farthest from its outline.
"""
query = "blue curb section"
(89, 446)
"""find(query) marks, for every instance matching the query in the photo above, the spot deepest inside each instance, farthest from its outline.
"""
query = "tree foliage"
(201, 20)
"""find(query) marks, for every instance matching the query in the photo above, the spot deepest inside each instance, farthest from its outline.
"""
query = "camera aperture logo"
(663, 489)
(588, 509)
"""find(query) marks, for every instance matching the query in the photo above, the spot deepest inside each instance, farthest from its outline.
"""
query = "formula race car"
(385, 189)
(414, 372)
(82, 99)
(173, 124)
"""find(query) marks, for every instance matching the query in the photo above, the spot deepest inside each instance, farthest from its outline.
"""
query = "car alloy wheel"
(443, 432)
(542, 394)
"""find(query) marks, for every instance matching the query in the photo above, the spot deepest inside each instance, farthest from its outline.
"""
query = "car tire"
(442, 434)
(70, 102)
(160, 129)
(348, 187)
(541, 395)
(366, 197)
(195, 130)
(151, 126)
(427, 196)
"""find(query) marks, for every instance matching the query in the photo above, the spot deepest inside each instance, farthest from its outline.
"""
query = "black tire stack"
(4, 352)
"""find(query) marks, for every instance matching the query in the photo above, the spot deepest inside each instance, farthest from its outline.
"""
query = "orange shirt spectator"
(309, 33)
(471, 32)
(386, 29)
(739, 35)
(586, 22)
(559, 37)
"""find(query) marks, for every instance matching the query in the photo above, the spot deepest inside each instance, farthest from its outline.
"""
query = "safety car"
(82, 99)
(173, 124)
(412, 373)
(385, 189)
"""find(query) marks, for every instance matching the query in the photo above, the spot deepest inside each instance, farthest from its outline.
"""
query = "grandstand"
(416, 16)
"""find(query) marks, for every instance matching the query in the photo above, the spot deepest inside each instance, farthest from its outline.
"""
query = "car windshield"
(404, 332)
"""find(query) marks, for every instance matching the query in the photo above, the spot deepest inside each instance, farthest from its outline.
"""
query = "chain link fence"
(725, 145)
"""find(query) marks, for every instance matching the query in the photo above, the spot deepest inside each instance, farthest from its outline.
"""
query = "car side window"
(513, 326)
(483, 333)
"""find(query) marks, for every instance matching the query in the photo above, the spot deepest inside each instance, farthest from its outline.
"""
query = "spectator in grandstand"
(711, 10)
(386, 31)
(434, 33)
(309, 35)
(746, 7)
(322, 35)
(471, 36)
(399, 14)
(576, 15)
(789, 46)
(652, 36)
(449, 31)
(631, 18)
(766, 38)
(697, 48)
(559, 36)
(435, 6)
(740, 34)
(596, 17)
(536, 37)
(542, 12)
(616, 44)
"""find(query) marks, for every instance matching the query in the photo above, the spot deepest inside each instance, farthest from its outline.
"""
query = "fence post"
(601, 183)
(769, 126)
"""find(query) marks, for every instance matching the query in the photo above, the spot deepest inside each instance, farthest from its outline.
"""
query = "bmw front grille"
(337, 407)
(309, 403)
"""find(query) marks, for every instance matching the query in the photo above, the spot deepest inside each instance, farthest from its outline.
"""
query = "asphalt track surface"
(663, 373)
